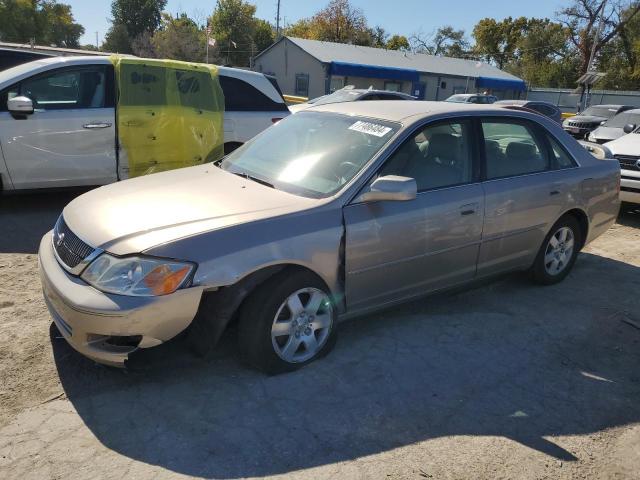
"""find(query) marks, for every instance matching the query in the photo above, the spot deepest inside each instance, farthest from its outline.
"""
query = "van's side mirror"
(20, 105)
(391, 188)
(629, 127)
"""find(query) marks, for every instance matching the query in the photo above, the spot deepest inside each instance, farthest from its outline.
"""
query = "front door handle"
(469, 209)
(93, 126)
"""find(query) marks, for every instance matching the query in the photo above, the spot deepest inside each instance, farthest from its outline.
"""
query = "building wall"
(285, 60)
(375, 83)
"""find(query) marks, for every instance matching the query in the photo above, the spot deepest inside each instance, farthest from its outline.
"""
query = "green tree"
(117, 40)
(497, 41)
(233, 25)
(263, 36)
(398, 42)
(138, 16)
(45, 21)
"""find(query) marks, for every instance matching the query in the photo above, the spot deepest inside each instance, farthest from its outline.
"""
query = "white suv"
(68, 137)
(626, 150)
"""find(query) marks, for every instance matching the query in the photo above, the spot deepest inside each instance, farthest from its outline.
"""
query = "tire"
(558, 252)
(276, 339)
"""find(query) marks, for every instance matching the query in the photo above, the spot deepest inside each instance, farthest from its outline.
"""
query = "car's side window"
(512, 148)
(559, 156)
(437, 156)
(67, 89)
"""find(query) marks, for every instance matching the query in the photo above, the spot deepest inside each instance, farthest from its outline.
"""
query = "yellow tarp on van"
(169, 114)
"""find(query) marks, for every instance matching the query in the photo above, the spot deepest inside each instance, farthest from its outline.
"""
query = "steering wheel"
(345, 169)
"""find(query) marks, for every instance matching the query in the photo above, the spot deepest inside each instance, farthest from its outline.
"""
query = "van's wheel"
(558, 252)
(287, 322)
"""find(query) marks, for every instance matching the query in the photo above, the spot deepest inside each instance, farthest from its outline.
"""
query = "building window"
(443, 85)
(302, 84)
(336, 83)
(393, 86)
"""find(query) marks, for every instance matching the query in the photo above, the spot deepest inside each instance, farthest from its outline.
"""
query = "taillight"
(275, 120)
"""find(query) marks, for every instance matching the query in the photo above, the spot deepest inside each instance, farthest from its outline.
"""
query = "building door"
(418, 90)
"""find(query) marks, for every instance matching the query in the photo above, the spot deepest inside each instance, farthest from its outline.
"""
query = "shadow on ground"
(508, 359)
(25, 218)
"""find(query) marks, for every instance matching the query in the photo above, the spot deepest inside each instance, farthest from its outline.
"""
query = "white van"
(66, 137)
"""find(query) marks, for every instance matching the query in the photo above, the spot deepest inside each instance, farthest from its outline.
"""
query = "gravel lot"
(507, 380)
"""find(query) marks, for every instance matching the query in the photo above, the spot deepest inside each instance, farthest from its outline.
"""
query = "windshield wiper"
(255, 179)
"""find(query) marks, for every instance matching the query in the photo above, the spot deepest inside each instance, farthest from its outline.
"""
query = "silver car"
(333, 212)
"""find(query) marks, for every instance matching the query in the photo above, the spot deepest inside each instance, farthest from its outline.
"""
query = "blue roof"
(373, 71)
(501, 83)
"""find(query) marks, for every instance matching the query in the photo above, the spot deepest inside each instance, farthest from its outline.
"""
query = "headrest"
(521, 150)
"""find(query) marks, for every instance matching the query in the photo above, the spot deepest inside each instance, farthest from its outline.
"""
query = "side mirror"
(20, 105)
(629, 127)
(391, 188)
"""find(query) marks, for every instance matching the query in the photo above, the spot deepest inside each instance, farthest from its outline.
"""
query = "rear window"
(240, 96)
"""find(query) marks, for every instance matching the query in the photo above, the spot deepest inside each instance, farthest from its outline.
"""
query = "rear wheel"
(288, 322)
(558, 252)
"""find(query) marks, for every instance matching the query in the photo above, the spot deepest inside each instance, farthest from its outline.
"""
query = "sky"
(404, 17)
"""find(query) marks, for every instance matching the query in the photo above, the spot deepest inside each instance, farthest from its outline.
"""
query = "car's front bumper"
(105, 327)
(630, 186)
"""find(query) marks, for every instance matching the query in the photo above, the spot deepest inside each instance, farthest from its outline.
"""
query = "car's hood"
(135, 215)
(586, 119)
(625, 145)
(299, 107)
(607, 133)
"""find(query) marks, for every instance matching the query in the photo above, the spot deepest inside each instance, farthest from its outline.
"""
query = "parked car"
(615, 127)
(351, 95)
(544, 108)
(580, 125)
(626, 150)
(472, 98)
(64, 137)
(335, 211)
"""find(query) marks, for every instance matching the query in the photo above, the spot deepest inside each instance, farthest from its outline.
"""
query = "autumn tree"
(398, 42)
(582, 18)
(445, 41)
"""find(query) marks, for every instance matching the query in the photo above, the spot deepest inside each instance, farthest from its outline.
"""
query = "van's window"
(239, 96)
(437, 156)
(512, 149)
(67, 89)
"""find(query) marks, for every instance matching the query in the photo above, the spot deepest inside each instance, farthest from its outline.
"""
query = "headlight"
(137, 276)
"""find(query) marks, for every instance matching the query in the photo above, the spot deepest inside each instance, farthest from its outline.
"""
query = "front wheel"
(558, 252)
(288, 322)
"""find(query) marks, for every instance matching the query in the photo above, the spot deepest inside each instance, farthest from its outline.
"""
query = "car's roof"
(398, 111)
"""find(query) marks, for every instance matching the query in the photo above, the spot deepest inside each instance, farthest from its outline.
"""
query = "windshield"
(311, 154)
(606, 112)
(622, 119)
(337, 97)
(457, 98)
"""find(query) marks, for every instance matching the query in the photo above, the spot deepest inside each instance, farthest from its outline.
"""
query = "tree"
(496, 42)
(137, 16)
(378, 36)
(338, 22)
(179, 38)
(45, 21)
(263, 35)
(117, 40)
(445, 41)
(233, 25)
(582, 18)
(398, 42)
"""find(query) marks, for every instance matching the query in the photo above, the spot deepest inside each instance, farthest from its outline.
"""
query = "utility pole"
(97, 47)
(596, 38)
(278, 21)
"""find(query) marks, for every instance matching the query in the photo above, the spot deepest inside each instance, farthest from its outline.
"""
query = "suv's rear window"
(239, 96)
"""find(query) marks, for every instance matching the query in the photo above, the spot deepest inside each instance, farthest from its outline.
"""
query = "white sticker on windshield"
(370, 128)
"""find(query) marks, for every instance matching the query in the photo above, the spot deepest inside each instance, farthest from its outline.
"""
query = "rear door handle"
(93, 126)
(557, 189)
(468, 209)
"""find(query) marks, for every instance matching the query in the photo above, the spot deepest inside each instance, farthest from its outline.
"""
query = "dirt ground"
(507, 380)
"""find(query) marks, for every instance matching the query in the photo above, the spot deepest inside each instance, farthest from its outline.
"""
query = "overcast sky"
(396, 16)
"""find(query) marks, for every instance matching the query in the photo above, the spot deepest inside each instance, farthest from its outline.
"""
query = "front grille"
(70, 249)
(628, 162)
